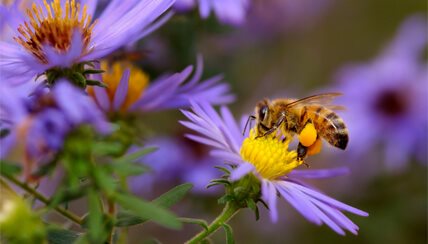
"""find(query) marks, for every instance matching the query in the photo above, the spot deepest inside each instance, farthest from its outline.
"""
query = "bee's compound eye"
(263, 112)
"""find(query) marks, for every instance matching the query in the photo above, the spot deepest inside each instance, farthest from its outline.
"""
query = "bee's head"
(263, 114)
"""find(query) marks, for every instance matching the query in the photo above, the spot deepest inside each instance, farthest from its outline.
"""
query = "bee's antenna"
(251, 117)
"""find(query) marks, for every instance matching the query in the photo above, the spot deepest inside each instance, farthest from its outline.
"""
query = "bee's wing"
(335, 107)
(324, 99)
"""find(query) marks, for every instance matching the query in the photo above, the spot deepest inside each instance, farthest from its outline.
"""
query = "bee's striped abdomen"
(327, 123)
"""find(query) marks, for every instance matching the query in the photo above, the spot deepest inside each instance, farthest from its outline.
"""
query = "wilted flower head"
(41, 121)
(387, 98)
(274, 166)
(228, 12)
(128, 89)
(62, 34)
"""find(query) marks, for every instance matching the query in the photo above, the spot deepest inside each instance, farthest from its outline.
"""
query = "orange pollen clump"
(55, 28)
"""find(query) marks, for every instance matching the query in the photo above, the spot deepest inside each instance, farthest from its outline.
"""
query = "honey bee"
(290, 116)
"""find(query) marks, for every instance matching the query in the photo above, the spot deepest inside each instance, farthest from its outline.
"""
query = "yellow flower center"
(55, 28)
(138, 81)
(269, 155)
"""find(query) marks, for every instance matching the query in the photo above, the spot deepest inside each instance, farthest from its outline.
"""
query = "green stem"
(69, 215)
(229, 210)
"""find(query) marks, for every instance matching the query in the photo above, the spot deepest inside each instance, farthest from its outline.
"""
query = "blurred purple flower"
(268, 17)
(228, 12)
(225, 136)
(176, 160)
(76, 39)
(128, 91)
(40, 122)
(387, 98)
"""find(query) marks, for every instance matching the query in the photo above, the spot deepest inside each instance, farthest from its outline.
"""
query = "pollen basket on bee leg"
(308, 135)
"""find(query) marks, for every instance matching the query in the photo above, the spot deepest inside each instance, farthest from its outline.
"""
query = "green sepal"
(226, 198)
(251, 204)
(79, 79)
(96, 83)
(93, 71)
(221, 181)
(225, 170)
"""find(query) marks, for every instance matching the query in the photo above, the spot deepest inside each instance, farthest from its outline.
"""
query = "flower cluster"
(42, 121)
(70, 106)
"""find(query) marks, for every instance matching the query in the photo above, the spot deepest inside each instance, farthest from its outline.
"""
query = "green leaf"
(166, 200)
(9, 168)
(147, 210)
(127, 169)
(173, 196)
(132, 157)
(96, 231)
(107, 148)
(105, 181)
(67, 194)
(46, 168)
(229, 233)
(126, 218)
(61, 236)
(200, 222)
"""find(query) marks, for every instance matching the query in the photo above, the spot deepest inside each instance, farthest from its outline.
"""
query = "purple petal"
(269, 195)
(330, 200)
(121, 91)
(319, 173)
(299, 202)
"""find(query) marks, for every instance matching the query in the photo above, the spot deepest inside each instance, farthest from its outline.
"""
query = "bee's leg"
(274, 127)
(301, 151)
(250, 118)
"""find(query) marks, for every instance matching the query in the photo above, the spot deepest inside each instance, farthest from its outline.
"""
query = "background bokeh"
(295, 49)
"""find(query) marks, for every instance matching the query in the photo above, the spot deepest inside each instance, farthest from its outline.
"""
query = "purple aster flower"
(176, 159)
(387, 98)
(268, 159)
(62, 33)
(41, 121)
(128, 89)
(228, 12)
